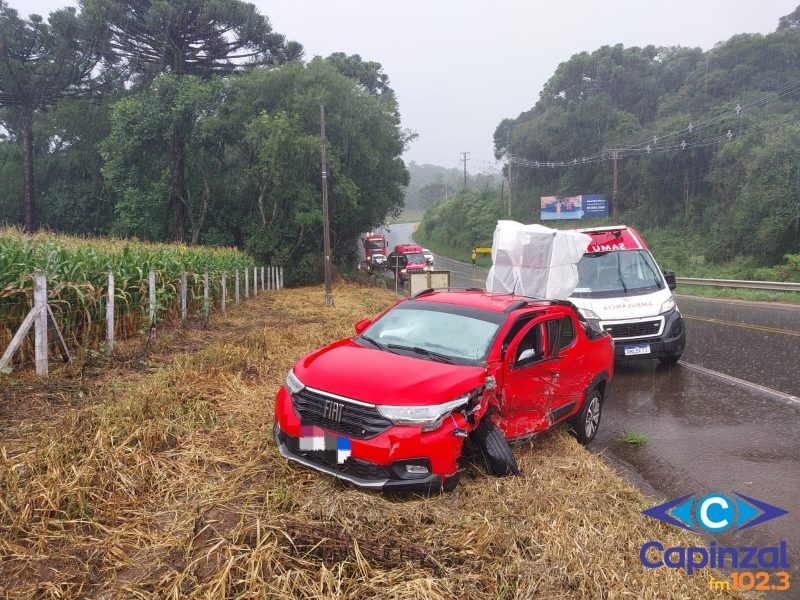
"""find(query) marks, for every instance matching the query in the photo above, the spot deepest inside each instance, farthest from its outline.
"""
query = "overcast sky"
(459, 67)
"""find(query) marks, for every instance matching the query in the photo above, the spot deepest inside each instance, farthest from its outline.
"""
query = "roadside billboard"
(588, 206)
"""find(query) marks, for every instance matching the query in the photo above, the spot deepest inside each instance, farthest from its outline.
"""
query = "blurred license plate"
(636, 350)
(330, 448)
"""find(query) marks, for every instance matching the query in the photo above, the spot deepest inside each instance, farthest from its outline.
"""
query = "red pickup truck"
(393, 407)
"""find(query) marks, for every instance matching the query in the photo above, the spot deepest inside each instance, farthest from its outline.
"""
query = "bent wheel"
(497, 454)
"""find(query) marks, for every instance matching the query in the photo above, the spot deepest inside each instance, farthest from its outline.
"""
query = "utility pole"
(326, 235)
(614, 156)
(509, 185)
(464, 159)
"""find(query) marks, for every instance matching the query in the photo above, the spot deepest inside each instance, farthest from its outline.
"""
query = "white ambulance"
(622, 289)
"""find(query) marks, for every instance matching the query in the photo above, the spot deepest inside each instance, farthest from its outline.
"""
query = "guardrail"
(779, 286)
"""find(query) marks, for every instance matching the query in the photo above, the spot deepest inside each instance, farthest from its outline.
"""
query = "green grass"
(632, 438)
(739, 294)
(408, 216)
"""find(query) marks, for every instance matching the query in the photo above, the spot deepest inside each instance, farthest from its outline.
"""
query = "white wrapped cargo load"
(533, 260)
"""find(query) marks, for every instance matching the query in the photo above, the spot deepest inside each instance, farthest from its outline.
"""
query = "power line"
(657, 143)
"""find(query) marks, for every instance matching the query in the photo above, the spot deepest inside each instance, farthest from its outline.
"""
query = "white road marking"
(753, 303)
(736, 381)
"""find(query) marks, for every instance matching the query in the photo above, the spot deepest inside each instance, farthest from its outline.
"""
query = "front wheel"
(587, 421)
(670, 359)
(497, 455)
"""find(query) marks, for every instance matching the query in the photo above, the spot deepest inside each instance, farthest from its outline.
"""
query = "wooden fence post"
(224, 291)
(110, 313)
(255, 281)
(247, 283)
(206, 306)
(280, 278)
(236, 288)
(273, 278)
(183, 292)
(40, 322)
(152, 282)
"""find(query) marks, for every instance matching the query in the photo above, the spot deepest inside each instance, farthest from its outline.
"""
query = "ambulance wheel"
(670, 359)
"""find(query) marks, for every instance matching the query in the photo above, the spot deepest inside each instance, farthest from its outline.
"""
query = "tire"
(496, 452)
(451, 482)
(670, 360)
(585, 424)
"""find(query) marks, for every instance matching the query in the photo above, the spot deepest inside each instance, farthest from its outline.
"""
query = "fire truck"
(374, 251)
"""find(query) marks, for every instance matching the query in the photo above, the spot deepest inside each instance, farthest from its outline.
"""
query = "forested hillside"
(708, 146)
(192, 121)
(429, 183)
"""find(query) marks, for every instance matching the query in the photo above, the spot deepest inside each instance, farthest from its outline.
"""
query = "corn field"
(77, 279)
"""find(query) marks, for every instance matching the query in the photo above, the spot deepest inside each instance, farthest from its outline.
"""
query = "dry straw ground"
(137, 479)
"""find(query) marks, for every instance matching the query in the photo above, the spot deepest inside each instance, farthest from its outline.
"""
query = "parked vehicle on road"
(410, 259)
(623, 290)
(374, 245)
(428, 256)
(377, 261)
(399, 405)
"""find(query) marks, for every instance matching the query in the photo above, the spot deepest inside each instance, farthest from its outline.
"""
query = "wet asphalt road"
(710, 423)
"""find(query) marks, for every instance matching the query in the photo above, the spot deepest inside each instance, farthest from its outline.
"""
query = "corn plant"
(77, 278)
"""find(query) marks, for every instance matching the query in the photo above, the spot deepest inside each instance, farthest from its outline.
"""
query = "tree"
(790, 21)
(190, 37)
(137, 153)
(40, 64)
(252, 161)
(368, 73)
(278, 158)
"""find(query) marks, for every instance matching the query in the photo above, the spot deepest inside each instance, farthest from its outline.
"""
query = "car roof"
(474, 298)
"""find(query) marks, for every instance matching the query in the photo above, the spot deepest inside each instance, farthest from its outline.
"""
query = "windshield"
(375, 245)
(617, 273)
(459, 333)
(415, 257)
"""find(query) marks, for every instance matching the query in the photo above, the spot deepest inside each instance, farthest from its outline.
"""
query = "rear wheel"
(587, 421)
(496, 452)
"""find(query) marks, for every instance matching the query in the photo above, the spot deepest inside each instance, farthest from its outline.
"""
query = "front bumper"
(669, 344)
(380, 457)
(381, 479)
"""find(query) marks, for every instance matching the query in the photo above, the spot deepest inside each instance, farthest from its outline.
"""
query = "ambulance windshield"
(617, 273)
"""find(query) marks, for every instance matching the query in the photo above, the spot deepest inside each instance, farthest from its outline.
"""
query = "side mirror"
(669, 276)
(362, 325)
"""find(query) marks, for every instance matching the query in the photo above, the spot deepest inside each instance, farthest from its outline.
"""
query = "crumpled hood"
(382, 377)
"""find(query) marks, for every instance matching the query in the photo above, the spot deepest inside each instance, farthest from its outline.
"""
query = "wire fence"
(73, 318)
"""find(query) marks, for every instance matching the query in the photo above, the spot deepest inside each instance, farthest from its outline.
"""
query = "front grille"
(629, 330)
(357, 421)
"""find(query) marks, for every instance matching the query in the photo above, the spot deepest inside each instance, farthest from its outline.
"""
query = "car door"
(567, 365)
(528, 389)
